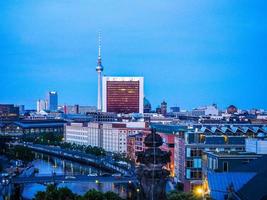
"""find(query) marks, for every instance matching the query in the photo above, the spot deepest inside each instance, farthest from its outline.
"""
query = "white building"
(110, 136)
(41, 105)
(210, 110)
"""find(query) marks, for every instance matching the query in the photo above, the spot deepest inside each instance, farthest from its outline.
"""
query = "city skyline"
(196, 54)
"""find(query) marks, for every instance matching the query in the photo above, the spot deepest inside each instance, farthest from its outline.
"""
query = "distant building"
(41, 105)
(147, 106)
(175, 109)
(52, 99)
(21, 109)
(232, 109)
(123, 94)
(158, 110)
(210, 110)
(32, 126)
(163, 108)
(9, 112)
(76, 109)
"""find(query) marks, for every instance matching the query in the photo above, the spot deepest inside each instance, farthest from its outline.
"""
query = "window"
(225, 166)
(189, 163)
(188, 151)
(196, 153)
(197, 163)
(188, 173)
(196, 174)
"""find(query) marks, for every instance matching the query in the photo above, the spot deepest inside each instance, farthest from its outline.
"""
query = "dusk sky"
(190, 52)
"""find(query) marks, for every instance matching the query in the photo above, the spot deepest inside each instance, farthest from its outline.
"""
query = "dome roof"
(146, 102)
(231, 109)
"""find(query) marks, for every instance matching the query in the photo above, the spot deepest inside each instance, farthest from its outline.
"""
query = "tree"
(112, 196)
(66, 194)
(53, 193)
(40, 196)
(179, 187)
(174, 195)
(93, 195)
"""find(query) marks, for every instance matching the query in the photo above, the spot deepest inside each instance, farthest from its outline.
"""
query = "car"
(70, 177)
(116, 175)
(92, 174)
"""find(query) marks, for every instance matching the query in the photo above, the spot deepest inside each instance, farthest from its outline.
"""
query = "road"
(67, 178)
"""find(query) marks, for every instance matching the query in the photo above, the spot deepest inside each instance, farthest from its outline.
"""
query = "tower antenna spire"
(99, 44)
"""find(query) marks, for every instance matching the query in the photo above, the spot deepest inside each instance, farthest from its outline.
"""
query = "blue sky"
(190, 52)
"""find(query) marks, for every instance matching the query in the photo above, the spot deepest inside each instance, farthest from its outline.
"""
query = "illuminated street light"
(200, 191)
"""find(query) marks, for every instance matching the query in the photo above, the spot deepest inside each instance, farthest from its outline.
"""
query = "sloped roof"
(219, 182)
(255, 188)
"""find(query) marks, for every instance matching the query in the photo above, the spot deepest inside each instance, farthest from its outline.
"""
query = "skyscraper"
(123, 94)
(52, 99)
(41, 105)
(99, 69)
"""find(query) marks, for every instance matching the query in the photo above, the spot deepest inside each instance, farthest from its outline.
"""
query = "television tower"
(99, 69)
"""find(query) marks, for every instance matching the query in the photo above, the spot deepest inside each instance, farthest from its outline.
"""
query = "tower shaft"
(99, 99)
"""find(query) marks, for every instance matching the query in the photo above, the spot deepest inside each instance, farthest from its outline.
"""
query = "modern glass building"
(52, 99)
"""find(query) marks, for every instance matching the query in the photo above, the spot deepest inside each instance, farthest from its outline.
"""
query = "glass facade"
(52, 101)
(123, 96)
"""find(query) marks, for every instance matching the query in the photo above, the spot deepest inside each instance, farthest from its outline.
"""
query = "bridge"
(103, 162)
(72, 178)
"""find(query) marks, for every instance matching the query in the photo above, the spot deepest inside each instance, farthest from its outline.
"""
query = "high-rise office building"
(123, 94)
(41, 105)
(52, 99)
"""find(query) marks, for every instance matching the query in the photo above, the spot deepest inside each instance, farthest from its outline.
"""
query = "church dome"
(231, 109)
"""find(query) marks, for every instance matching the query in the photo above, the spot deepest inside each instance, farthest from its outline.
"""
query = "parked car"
(70, 177)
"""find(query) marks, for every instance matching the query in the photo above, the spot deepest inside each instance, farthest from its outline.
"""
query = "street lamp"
(200, 192)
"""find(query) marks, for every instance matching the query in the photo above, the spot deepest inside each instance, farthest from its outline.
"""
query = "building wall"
(123, 94)
(179, 159)
(110, 136)
(52, 101)
(256, 146)
(8, 111)
(191, 158)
